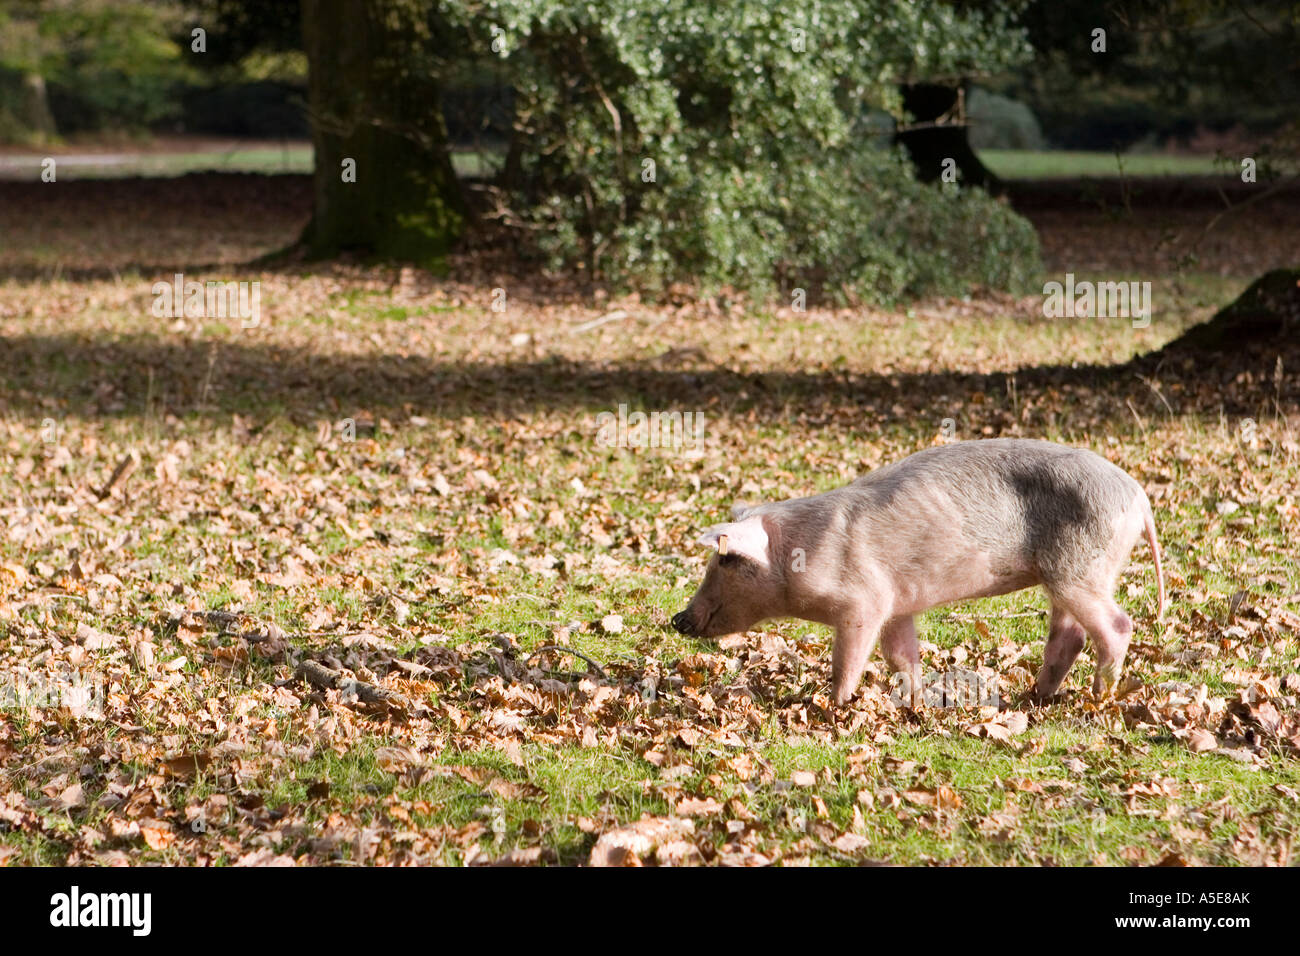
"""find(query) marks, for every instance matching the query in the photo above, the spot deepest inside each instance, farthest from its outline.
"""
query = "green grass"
(293, 157)
(1044, 164)
(296, 157)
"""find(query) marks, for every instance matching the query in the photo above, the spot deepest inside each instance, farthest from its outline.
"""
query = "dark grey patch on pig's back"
(1066, 499)
(1029, 505)
(1064, 531)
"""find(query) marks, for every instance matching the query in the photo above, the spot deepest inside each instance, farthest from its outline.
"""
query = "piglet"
(964, 520)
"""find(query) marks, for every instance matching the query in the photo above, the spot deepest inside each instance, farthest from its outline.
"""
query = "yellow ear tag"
(722, 544)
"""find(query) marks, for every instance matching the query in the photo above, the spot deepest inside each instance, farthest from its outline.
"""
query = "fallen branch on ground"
(129, 463)
(323, 677)
(570, 651)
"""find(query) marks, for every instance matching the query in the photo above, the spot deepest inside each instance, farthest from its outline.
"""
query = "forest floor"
(281, 593)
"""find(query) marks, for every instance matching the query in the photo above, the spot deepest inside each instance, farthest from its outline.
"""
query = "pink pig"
(959, 521)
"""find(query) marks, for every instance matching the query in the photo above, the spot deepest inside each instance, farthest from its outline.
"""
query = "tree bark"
(1269, 310)
(373, 99)
(940, 134)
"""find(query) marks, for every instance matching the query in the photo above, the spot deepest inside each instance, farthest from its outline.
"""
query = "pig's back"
(1018, 466)
(1033, 507)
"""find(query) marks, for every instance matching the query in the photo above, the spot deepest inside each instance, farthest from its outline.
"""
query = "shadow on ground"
(141, 376)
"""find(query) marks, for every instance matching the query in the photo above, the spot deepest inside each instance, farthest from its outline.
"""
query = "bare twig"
(616, 316)
(1141, 424)
(1005, 616)
(570, 651)
(1160, 395)
(129, 463)
(1282, 183)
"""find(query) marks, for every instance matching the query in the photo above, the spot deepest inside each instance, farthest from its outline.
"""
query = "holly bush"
(730, 144)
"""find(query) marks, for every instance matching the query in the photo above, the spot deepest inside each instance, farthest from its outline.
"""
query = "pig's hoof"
(1039, 698)
(1105, 680)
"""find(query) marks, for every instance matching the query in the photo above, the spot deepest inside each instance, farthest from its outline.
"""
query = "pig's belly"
(968, 576)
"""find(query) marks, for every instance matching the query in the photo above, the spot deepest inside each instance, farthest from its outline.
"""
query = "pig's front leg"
(855, 638)
(1065, 637)
(903, 655)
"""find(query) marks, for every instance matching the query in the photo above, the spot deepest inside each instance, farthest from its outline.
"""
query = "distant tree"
(936, 132)
(1169, 64)
(238, 28)
(92, 64)
(1210, 62)
(652, 143)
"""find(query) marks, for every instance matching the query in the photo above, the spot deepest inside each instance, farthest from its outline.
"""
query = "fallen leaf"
(850, 843)
(71, 798)
(186, 765)
(698, 807)
(1002, 727)
(12, 576)
(157, 835)
(626, 845)
(941, 797)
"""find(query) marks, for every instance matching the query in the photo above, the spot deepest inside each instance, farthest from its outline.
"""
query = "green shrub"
(999, 122)
(764, 171)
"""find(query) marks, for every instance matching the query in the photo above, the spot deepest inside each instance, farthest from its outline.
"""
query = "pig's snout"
(682, 623)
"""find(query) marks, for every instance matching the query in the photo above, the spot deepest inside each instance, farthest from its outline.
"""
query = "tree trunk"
(941, 134)
(1267, 311)
(374, 99)
(34, 108)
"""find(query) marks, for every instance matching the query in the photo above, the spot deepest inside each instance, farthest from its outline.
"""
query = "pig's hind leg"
(903, 655)
(1065, 638)
(1108, 626)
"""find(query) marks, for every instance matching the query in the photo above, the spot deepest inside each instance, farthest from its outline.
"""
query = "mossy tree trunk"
(1269, 310)
(374, 99)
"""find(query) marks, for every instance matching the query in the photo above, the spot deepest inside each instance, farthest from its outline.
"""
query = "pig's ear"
(740, 509)
(746, 537)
